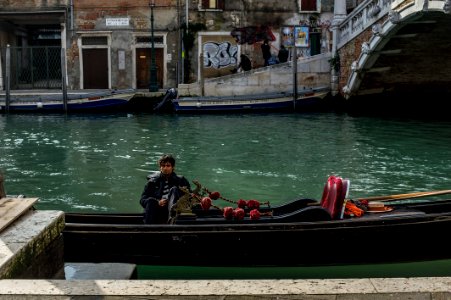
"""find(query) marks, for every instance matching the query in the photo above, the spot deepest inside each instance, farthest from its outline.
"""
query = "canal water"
(99, 163)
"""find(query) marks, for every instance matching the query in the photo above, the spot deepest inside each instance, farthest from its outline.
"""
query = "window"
(309, 5)
(148, 39)
(212, 4)
(94, 40)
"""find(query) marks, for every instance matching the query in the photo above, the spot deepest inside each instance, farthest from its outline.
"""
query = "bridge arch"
(405, 50)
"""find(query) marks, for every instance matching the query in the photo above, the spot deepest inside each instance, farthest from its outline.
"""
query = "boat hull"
(88, 104)
(264, 102)
(407, 234)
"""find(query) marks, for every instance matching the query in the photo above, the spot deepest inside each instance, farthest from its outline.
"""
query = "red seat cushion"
(335, 191)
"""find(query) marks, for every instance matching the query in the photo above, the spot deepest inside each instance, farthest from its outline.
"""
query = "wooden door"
(95, 68)
(143, 60)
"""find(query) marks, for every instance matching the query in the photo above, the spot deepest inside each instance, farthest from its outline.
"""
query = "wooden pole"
(398, 196)
(2, 188)
(63, 78)
(202, 81)
(7, 77)
(405, 196)
(1, 71)
(295, 76)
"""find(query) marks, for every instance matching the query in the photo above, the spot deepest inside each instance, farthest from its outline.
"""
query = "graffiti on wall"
(219, 55)
(252, 34)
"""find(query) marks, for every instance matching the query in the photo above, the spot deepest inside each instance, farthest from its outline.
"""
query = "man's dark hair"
(166, 158)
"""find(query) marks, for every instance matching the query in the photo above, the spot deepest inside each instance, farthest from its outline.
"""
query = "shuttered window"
(94, 40)
(148, 40)
(213, 4)
(309, 5)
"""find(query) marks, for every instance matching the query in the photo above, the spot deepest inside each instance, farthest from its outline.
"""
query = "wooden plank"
(12, 208)
(2, 188)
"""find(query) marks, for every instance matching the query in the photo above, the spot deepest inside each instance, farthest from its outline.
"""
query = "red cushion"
(334, 194)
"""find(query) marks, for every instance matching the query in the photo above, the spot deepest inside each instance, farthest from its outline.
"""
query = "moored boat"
(304, 232)
(307, 99)
(76, 102)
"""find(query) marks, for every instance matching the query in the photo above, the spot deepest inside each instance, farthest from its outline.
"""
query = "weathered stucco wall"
(312, 72)
(247, 15)
(23, 5)
(91, 17)
(85, 18)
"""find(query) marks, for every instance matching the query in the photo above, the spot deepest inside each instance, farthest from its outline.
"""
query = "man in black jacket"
(162, 191)
(245, 63)
(283, 54)
(266, 51)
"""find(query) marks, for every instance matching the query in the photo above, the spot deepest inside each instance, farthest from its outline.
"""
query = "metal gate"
(37, 67)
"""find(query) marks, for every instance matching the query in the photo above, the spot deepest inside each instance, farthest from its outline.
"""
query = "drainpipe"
(71, 14)
(183, 46)
(339, 16)
(179, 43)
(187, 13)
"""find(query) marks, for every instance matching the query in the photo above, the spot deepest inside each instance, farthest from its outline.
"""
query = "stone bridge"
(394, 48)
(384, 50)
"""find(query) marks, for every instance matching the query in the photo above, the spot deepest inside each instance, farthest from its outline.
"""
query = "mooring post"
(202, 79)
(2, 188)
(64, 78)
(295, 76)
(7, 77)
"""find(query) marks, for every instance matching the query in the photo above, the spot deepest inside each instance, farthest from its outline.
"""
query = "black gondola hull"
(415, 232)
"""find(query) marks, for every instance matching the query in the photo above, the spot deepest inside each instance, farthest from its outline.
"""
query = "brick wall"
(351, 52)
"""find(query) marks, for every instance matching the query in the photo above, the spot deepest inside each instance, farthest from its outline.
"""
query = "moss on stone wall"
(30, 256)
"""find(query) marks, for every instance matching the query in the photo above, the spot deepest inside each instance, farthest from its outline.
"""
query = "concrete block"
(32, 246)
(99, 271)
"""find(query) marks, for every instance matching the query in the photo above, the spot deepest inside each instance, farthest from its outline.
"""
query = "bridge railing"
(371, 11)
(361, 18)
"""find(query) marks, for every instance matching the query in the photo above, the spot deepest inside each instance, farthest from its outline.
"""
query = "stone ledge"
(372, 288)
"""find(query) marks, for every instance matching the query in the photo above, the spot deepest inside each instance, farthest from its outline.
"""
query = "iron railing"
(37, 67)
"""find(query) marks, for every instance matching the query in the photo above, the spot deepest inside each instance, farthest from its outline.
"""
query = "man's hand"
(163, 202)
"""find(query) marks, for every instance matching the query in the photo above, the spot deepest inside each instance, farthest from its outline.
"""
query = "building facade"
(107, 44)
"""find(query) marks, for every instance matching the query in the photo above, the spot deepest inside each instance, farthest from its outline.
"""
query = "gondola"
(304, 232)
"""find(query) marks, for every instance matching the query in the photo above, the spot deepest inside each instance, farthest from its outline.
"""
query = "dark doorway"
(143, 58)
(315, 43)
(95, 68)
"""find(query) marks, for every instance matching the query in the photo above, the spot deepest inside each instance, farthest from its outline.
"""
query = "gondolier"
(162, 191)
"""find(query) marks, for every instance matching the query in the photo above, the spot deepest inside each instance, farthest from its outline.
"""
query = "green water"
(436, 268)
(99, 163)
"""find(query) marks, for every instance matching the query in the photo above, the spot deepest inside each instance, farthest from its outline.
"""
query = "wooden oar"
(397, 196)
(405, 196)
